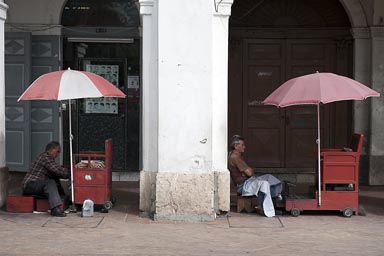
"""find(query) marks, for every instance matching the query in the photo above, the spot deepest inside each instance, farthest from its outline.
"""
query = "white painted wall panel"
(185, 90)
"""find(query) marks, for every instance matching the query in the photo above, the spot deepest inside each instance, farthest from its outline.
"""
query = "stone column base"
(3, 184)
(192, 197)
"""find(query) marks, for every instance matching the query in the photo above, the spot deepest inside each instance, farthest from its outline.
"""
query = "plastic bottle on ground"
(87, 210)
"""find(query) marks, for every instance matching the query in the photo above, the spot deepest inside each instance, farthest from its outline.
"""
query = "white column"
(3, 169)
(220, 84)
(220, 24)
(149, 107)
(184, 175)
(376, 161)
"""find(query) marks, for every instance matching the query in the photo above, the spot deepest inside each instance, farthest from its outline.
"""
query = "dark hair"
(235, 140)
(52, 145)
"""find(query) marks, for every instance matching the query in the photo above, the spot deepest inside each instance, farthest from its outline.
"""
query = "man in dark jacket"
(43, 176)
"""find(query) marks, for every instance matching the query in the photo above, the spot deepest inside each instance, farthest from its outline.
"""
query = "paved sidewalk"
(123, 232)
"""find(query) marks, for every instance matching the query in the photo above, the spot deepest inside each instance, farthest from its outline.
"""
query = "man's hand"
(249, 172)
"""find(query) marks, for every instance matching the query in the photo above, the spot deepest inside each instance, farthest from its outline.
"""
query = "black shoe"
(57, 212)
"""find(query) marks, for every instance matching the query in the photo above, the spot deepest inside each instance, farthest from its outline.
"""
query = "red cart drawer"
(99, 195)
(89, 177)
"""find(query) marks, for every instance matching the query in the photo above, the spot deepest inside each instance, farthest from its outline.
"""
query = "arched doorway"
(271, 42)
(103, 37)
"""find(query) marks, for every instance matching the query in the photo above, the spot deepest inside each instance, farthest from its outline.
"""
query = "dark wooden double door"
(282, 137)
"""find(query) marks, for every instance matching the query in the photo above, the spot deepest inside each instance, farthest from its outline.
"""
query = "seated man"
(264, 187)
(43, 176)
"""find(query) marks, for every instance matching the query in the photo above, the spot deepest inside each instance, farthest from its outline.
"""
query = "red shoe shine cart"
(93, 176)
(339, 182)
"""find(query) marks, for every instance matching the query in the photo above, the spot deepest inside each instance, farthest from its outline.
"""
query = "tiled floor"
(122, 232)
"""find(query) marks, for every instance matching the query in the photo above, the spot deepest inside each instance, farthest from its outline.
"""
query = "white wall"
(185, 90)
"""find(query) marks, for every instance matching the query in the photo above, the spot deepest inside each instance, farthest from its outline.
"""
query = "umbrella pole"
(318, 154)
(71, 156)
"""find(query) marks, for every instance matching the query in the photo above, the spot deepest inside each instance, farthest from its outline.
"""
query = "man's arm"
(249, 172)
(243, 167)
(56, 169)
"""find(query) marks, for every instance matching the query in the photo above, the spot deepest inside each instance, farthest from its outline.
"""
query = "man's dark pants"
(44, 187)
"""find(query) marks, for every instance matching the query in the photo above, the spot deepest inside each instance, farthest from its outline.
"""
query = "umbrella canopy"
(317, 88)
(66, 85)
(70, 84)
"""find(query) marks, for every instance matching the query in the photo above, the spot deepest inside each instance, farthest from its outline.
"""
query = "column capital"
(146, 7)
(222, 7)
(3, 11)
(377, 32)
(360, 33)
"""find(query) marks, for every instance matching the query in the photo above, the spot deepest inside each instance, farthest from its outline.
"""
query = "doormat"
(254, 221)
(73, 222)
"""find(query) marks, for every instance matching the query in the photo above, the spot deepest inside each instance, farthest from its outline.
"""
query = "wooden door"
(17, 114)
(45, 121)
(305, 56)
(263, 126)
(281, 137)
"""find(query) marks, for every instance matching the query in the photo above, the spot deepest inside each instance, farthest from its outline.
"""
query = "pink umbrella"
(317, 88)
(70, 84)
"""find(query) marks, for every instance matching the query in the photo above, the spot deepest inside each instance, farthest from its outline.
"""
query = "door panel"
(301, 128)
(44, 114)
(17, 114)
(265, 137)
(305, 57)
(263, 126)
(282, 137)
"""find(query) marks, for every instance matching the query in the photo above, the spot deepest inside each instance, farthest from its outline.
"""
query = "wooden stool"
(42, 204)
(246, 203)
(18, 203)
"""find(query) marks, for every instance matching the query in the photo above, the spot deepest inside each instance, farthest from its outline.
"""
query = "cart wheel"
(295, 212)
(108, 205)
(348, 212)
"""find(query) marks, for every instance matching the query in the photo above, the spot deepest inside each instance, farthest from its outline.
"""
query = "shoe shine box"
(19, 203)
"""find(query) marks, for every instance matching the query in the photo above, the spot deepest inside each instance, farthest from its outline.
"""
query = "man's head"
(53, 149)
(237, 143)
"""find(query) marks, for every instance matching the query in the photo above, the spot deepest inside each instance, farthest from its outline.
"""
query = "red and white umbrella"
(315, 89)
(70, 84)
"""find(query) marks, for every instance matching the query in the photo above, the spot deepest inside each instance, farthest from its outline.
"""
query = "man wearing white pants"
(264, 187)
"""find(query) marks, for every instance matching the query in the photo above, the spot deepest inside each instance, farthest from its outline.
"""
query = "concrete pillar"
(184, 174)
(362, 73)
(3, 168)
(221, 15)
(149, 113)
(361, 108)
(376, 159)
